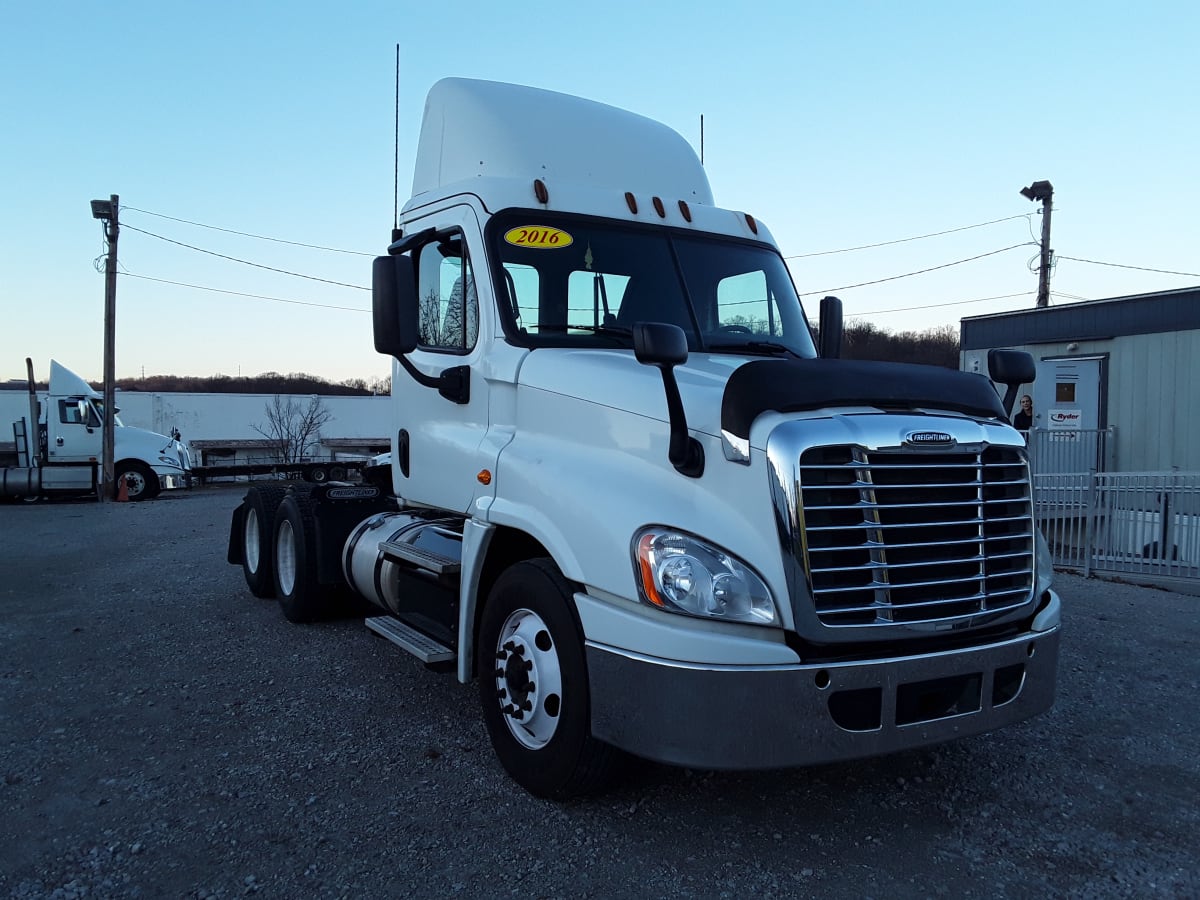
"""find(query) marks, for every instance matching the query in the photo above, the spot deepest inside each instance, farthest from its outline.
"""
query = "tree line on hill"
(266, 383)
(861, 340)
(933, 347)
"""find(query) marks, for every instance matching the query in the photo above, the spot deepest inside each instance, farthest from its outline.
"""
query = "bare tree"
(293, 427)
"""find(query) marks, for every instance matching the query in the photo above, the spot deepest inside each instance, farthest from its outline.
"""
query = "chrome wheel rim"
(285, 558)
(251, 540)
(528, 679)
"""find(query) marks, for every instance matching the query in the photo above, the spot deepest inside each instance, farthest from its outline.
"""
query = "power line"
(1096, 262)
(879, 312)
(918, 237)
(200, 287)
(957, 262)
(246, 262)
(260, 237)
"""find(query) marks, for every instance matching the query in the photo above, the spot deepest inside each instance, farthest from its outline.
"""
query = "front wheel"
(140, 481)
(533, 685)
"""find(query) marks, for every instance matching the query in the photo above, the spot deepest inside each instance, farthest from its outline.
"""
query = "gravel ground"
(164, 734)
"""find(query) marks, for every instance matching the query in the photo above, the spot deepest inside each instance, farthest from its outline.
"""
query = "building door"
(1069, 415)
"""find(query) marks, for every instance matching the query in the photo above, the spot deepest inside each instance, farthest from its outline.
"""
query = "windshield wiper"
(616, 332)
(761, 348)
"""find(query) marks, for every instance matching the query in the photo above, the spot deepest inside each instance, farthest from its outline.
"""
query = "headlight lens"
(681, 573)
(1043, 563)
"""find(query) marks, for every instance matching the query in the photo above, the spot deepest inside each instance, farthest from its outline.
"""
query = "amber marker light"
(484, 477)
(646, 568)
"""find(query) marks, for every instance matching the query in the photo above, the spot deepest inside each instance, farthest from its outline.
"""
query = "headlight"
(1043, 563)
(170, 461)
(681, 573)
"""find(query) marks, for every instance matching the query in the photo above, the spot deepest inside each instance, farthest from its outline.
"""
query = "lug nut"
(501, 694)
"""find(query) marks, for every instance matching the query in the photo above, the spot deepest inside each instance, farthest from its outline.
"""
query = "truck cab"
(68, 446)
(636, 500)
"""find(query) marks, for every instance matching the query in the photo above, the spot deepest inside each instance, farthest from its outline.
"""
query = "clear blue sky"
(838, 124)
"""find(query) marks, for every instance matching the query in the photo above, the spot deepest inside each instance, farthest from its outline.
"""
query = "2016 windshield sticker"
(539, 237)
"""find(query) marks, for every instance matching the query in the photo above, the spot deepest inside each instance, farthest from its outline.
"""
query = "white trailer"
(632, 496)
(56, 448)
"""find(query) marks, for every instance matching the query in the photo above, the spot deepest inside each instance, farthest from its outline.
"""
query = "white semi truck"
(636, 500)
(60, 452)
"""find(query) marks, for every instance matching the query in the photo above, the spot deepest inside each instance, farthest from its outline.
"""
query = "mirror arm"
(684, 451)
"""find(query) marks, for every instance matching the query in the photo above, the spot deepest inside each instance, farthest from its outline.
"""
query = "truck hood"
(614, 378)
(131, 442)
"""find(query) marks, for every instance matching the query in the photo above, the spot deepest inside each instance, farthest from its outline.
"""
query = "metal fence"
(1061, 451)
(1145, 523)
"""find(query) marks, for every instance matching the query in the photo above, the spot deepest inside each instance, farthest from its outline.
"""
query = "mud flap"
(236, 528)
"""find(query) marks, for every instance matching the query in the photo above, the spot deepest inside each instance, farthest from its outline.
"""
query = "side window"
(68, 412)
(449, 311)
(744, 303)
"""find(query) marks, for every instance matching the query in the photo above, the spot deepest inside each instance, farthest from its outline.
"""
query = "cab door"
(73, 430)
(438, 449)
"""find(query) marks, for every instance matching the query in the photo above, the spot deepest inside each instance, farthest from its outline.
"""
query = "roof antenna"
(701, 138)
(396, 232)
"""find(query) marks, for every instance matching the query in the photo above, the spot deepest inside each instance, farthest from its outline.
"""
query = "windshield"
(99, 404)
(573, 281)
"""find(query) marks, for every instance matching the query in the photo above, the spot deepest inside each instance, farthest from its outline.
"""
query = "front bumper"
(716, 716)
(175, 480)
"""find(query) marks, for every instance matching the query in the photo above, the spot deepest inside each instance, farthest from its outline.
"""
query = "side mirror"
(1011, 368)
(665, 346)
(394, 305)
(85, 409)
(659, 344)
(831, 328)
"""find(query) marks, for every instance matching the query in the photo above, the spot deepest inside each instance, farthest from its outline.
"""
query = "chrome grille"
(898, 537)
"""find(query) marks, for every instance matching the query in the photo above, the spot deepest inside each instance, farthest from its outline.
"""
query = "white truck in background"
(61, 452)
(635, 499)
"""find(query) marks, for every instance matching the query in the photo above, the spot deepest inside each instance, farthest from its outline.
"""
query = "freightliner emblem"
(929, 437)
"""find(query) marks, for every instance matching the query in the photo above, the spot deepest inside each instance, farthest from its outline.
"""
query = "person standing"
(1023, 420)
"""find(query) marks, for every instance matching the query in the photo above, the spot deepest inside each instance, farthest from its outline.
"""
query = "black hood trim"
(793, 385)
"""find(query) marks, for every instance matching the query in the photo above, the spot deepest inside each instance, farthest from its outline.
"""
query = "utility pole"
(1043, 191)
(107, 212)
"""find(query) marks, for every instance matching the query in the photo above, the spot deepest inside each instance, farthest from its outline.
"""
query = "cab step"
(419, 557)
(408, 638)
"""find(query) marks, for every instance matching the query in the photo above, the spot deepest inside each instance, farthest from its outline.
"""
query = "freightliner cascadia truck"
(635, 498)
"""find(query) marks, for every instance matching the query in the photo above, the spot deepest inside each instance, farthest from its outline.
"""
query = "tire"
(140, 480)
(318, 475)
(258, 538)
(337, 473)
(533, 685)
(294, 562)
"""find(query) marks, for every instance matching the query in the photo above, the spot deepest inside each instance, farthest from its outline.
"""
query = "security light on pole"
(1042, 191)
